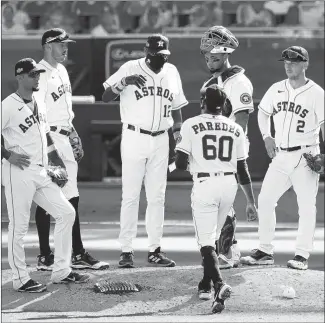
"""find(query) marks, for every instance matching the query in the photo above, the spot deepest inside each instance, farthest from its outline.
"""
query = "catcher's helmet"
(213, 98)
(217, 40)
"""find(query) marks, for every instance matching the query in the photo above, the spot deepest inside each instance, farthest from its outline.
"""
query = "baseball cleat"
(257, 257)
(74, 277)
(159, 259)
(126, 260)
(32, 286)
(222, 292)
(205, 293)
(224, 262)
(86, 261)
(298, 262)
(45, 263)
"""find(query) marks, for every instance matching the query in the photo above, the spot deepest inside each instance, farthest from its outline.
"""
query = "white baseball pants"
(21, 188)
(143, 158)
(212, 198)
(289, 169)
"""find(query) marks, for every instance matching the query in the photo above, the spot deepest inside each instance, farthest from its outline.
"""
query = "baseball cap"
(27, 66)
(56, 35)
(295, 54)
(215, 97)
(157, 44)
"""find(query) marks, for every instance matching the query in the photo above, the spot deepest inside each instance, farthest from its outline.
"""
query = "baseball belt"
(199, 175)
(146, 132)
(60, 131)
(294, 148)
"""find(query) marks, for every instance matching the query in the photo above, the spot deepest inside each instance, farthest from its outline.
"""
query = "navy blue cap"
(56, 35)
(157, 44)
(295, 54)
(27, 66)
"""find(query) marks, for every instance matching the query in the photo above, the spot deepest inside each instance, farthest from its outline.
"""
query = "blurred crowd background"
(103, 18)
(109, 33)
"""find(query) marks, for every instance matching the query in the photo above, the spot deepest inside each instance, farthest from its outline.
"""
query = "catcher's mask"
(218, 40)
(213, 99)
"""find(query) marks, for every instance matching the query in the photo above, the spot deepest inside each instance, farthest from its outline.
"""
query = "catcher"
(297, 107)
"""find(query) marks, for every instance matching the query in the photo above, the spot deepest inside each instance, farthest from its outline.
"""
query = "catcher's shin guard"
(227, 235)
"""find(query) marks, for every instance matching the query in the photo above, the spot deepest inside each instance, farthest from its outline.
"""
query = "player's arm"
(177, 104)
(16, 159)
(52, 153)
(241, 118)
(265, 110)
(241, 98)
(244, 178)
(178, 120)
(117, 82)
(183, 147)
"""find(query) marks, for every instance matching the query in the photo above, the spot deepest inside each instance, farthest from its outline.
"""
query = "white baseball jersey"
(55, 91)
(238, 88)
(24, 128)
(297, 113)
(149, 107)
(213, 143)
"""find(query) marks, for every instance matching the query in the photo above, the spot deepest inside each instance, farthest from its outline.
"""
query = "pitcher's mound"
(171, 292)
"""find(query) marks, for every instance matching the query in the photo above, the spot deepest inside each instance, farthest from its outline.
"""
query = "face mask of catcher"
(156, 62)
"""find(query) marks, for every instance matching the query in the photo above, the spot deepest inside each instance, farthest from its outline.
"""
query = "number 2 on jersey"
(210, 150)
(300, 126)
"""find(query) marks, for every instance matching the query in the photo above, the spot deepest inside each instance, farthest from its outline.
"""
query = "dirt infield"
(170, 294)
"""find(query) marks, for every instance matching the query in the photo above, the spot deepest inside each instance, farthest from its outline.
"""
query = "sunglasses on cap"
(33, 75)
(288, 54)
(58, 38)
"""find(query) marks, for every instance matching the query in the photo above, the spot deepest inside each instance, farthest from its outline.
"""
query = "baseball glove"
(58, 175)
(315, 163)
(76, 145)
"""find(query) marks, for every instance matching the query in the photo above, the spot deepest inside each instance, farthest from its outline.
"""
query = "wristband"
(6, 154)
(266, 135)
(120, 86)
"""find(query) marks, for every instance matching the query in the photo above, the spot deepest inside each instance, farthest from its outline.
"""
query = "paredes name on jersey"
(206, 126)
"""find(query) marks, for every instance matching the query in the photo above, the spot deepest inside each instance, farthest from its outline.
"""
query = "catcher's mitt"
(315, 163)
(58, 175)
(76, 145)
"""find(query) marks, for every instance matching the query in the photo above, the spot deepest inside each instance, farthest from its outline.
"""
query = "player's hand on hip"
(19, 160)
(137, 80)
(270, 146)
(251, 212)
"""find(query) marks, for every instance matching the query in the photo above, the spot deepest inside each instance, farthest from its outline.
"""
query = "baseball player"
(297, 107)
(28, 149)
(151, 98)
(217, 44)
(213, 148)
(55, 92)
